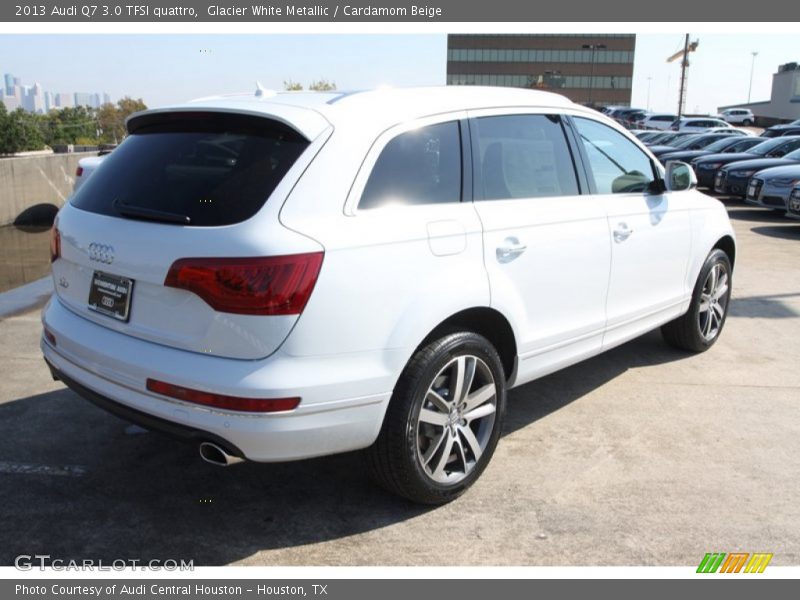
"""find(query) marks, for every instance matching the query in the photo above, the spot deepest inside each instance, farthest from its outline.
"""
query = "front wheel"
(443, 421)
(702, 324)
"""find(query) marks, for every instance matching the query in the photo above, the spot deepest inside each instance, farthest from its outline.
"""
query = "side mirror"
(680, 176)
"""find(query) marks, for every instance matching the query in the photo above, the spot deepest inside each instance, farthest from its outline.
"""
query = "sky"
(166, 69)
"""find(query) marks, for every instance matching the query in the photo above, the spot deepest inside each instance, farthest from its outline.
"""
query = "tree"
(322, 85)
(19, 131)
(66, 125)
(111, 119)
(292, 86)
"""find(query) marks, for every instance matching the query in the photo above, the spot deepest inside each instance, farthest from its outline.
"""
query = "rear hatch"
(171, 241)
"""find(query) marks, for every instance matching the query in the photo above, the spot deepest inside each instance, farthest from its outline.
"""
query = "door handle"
(510, 250)
(622, 232)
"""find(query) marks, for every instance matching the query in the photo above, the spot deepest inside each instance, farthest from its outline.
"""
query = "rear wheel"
(443, 421)
(702, 324)
(747, 122)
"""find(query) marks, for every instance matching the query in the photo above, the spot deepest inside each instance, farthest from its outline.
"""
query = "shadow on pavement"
(789, 231)
(763, 307)
(74, 484)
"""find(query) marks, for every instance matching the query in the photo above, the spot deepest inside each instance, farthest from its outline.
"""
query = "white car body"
(738, 116)
(699, 124)
(86, 166)
(589, 272)
(660, 121)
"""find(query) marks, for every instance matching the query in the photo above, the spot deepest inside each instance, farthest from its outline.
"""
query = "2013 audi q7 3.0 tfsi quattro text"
(281, 276)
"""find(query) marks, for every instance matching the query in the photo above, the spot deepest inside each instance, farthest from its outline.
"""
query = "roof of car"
(310, 112)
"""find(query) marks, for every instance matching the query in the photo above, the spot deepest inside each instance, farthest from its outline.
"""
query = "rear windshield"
(199, 169)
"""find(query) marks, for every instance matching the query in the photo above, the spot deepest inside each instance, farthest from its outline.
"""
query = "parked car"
(633, 119)
(792, 128)
(621, 115)
(86, 166)
(689, 142)
(738, 116)
(668, 137)
(284, 276)
(732, 179)
(731, 131)
(793, 209)
(658, 121)
(726, 145)
(644, 136)
(706, 166)
(697, 124)
(772, 187)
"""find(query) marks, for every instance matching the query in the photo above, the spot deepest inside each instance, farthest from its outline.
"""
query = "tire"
(701, 326)
(434, 442)
(747, 122)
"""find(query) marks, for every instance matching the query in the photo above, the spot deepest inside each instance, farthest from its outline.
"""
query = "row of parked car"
(637, 118)
(759, 170)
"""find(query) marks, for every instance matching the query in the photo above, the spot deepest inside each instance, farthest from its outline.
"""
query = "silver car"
(772, 187)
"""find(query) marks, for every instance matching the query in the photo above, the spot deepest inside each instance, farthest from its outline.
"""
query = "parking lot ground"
(641, 456)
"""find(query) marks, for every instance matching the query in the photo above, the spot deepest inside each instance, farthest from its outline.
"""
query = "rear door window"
(521, 156)
(421, 166)
(199, 169)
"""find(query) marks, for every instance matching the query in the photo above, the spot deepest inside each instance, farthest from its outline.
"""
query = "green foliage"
(322, 85)
(292, 86)
(21, 131)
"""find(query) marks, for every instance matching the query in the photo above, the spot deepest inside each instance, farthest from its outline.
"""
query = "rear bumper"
(342, 406)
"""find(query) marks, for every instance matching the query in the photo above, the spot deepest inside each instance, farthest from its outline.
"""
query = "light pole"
(752, 67)
(593, 48)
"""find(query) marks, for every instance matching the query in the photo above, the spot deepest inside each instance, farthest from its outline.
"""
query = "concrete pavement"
(642, 456)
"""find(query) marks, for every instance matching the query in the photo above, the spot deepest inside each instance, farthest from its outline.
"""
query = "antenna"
(261, 91)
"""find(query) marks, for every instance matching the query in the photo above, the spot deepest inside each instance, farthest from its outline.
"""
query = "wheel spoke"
(436, 399)
(479, 396)
(472, 441)
(711, 282)
(461, 379)
(448, 448)
(718, 312)
(433, 448)
(427, 415)
(462, 455)
(482, 411)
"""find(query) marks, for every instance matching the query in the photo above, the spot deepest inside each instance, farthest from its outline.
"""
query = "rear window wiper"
(150, 214)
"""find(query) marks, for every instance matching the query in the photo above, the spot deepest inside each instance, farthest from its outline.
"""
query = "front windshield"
(768, 146)
(721, 145)
(793, 155)
(685, 141)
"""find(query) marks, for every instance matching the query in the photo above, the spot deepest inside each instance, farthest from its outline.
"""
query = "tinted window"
(422, 166)
(215, 169)
(617, 164)
(521, 156)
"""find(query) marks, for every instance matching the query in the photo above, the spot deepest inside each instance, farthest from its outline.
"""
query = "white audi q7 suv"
(281, 276)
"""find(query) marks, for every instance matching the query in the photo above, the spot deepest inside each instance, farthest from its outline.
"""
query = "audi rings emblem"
(101, 253)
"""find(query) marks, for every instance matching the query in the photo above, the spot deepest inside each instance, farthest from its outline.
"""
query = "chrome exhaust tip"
(217, 456)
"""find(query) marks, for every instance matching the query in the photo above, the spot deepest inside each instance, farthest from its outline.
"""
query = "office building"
(587, 68)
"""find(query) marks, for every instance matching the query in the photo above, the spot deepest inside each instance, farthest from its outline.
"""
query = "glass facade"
(543, 81)
(538, 56)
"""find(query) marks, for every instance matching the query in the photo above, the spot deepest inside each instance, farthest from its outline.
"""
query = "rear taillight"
(222, 401)
(273, 285)
(79, 171)
(55, 243)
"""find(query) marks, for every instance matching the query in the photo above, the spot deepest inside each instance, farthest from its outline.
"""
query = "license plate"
(110, 295)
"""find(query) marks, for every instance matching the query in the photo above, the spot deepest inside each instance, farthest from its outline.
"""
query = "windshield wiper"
(150, 214)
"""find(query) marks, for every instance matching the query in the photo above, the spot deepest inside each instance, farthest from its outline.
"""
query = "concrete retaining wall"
(29, 180)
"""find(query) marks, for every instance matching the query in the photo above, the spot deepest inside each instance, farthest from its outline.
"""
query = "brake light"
(222, 401)
(273, 285)
(55, 243)
(79, 171)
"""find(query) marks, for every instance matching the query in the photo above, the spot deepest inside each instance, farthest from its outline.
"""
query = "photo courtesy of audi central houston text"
(541, 287)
